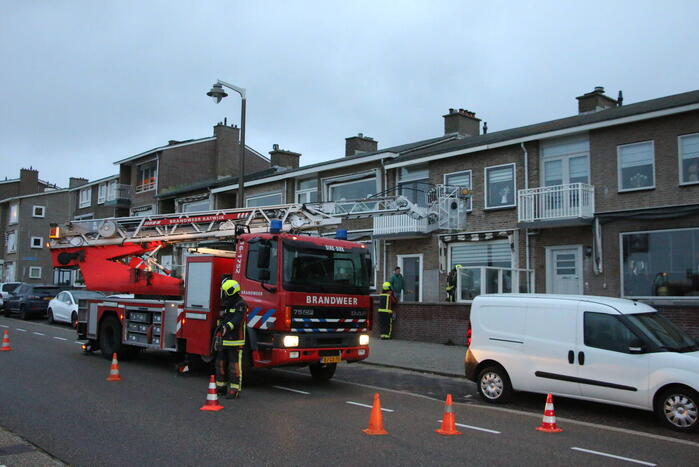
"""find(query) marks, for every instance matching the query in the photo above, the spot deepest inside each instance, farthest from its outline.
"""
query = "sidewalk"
(440, 359)
(16, 452)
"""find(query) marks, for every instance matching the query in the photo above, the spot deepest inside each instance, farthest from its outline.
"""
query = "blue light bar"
(275, 226)
(341, 234)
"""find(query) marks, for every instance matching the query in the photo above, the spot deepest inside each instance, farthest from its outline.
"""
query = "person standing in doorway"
(397, 283)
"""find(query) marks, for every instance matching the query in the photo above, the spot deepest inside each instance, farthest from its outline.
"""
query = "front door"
(411, 266)
(564, 270)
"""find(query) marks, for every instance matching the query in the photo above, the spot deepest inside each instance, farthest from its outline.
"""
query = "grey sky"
(86, 83)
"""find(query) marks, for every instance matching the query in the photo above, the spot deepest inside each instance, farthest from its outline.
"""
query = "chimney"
(284, 158)
(594, 101)
(227, 150)
(28, 181)
(461, 122)
(76, 182)
(359, 144)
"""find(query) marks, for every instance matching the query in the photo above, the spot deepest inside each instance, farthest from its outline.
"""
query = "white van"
(594, 348)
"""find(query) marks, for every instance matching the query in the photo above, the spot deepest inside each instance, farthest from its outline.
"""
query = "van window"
(607, 332)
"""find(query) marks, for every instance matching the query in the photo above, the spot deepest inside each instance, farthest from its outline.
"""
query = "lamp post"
(217, 93)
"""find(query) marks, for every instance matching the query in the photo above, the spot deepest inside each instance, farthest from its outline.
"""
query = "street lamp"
(217, 93)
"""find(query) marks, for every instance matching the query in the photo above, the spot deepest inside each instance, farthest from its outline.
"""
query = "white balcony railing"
(558, 202)
(399, 224)
(477, 280)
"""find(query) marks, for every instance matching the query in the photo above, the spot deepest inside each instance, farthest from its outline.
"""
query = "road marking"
(38, 333)
(290, 389)
(628, 459)
(60, 338)
(471, 427)
(78, 342)
(2, 325)
(368, 406)
(21, 330)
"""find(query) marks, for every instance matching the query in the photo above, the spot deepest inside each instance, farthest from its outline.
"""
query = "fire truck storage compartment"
(91, 318)
(143, 326)
(169, 334)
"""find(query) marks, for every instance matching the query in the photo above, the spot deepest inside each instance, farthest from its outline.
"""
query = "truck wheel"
(677, 408)
(494, 385)
(110, 340)
(23, 313)
(322, 372)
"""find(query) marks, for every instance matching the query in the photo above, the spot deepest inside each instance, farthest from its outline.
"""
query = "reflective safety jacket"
(387, 302)
(233, 322)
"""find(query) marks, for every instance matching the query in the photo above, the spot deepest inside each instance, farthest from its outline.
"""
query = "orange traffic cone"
(548, 424)
(212, 404)
(376, 419)
(5, 342)
(114, 370)
(448, 421)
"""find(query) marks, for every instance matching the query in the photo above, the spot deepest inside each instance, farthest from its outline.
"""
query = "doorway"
(564, 270)
(411, 266)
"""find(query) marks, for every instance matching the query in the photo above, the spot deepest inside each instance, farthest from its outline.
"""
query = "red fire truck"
(308, 296)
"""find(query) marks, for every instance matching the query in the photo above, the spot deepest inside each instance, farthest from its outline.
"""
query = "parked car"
(599, 349)
(64, 308)
(30, 300)
(5, 289)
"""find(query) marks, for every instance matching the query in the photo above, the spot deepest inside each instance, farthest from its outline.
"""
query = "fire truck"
(307, 295)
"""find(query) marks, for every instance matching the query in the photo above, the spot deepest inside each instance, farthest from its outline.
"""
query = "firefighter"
(386, 314)
(230, 340)
(451, 283)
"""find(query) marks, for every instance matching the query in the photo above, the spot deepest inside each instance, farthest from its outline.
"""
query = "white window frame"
(563, 157)
(143, 187)
(181, 205)
(41, 242)
(399, 262)
(306, 192)
(329, 183)
(470, 178)
(134, 212)
(679, 159)
(7, 242)
(84, 217)
(263, 195)
(514, 183)
(101, 193)
(422, 176)
(13, 217)
(649, 298)
(33, 269)
(618, 166)
(42, 210)
(86, 200)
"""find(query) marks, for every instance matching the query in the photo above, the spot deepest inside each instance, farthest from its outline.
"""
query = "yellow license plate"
(333, 359)
(48, 298)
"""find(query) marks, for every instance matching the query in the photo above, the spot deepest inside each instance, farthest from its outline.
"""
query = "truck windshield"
(309, 267)
(663, 333)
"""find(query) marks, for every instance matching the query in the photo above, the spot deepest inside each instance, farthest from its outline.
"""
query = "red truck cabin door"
(202, 300)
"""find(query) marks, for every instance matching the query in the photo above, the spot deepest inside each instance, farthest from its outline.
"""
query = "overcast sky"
(86, 83)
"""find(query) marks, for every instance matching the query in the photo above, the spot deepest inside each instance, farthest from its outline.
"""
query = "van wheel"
(494, 385)
(677, 407)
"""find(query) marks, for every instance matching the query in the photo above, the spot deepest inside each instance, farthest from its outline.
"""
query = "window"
(565, 161)
(147, 176)
(500, 186)
(34, 272)
(101, 193)
(38, 211)
(112, 192)
(460, 179)
(194, 206)
(636, 166)
(252, 271)
(414, 184)
(11, 242)
(689, 159)
(14, 213)
(146, 210)
(356, 189)
(307, 191)
(85, 197)
(473, 257)
(9, 272)
(37, 242)
(607, 332)
(84, 217)
(661, 263)
(267, 199)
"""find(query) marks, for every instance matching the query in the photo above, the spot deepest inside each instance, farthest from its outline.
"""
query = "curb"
(415, 370)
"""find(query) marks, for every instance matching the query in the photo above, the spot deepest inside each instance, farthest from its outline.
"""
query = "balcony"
(557, 206)
(400, 226)
(118, 196)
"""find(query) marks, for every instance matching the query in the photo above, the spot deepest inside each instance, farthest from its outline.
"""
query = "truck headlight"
(291, 341)
(364, 339)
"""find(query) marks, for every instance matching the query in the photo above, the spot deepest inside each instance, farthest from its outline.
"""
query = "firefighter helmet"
(387, 286)
(458, 266)
(230, 287)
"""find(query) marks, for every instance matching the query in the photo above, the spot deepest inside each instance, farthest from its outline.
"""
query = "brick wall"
(429, 322)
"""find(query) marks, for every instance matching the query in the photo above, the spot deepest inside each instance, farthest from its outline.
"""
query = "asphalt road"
(57, 398)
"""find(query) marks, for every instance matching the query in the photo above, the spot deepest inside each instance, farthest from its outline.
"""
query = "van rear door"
(550, 346)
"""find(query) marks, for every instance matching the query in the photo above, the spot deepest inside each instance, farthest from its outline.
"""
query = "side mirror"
(636, 346)
(263, 255)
